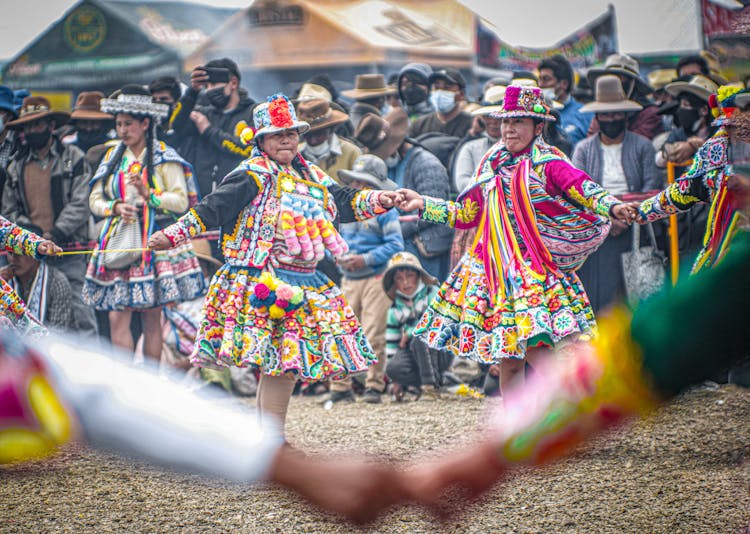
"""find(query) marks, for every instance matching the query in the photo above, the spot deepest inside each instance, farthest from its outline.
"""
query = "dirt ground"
(686, 469)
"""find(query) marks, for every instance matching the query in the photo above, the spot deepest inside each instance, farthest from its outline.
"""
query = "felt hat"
(87, 107)
(524, 102)
(492, 100)
(134, 100)
(659, 78)
(450, 74)
(277, 115)
(404, 260)
(6, 100)
(202, 250)
(312, 91)
(621, 64)
(609, 97)
(369, 86)
(370, 169)
(35, 108)
(319, 114)
(699, 85)
(383, 135)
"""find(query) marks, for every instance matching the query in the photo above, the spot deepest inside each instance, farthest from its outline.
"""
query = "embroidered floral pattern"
(187, 226)
(366, 204)
(17, 240)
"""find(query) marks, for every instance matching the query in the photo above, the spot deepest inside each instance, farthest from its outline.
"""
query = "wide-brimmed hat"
(742, 99)
(609, 97)
(35, 108)
(88, 108)
(319, 114)
(134, 100)
(6, 100)
(492, 100)
(369, 86)
(202, 249)
(659, 78)
(699, 85)
(312, 91)
(404, 260)
(621, 64)
(524, 102)
(277, 115)
(383, 135)
(371, 169)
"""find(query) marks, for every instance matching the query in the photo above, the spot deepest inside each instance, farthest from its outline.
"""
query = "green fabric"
(699, 326)
(221, 377)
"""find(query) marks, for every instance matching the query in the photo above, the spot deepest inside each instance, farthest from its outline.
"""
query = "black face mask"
(37, 140)
(612, 129)
(414, 95)
(687, 117)
(89, 138)
(217, 98)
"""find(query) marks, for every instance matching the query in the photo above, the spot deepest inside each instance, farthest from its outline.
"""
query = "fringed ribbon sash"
(721, 226)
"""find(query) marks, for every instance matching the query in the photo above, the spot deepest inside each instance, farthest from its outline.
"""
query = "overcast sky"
(642, 24)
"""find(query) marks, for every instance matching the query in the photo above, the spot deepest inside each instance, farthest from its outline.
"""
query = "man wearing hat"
(370, 92)
(371, 245)
(8, 139)
(321, 145)
(447, 95)
(646, 122)
(48, 186)
(91, 126)
(413, 167)
(622, 162)
(413, 85)
(211, 133)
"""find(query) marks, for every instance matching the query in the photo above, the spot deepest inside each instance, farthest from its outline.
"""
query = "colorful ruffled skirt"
(318, 338)
(532, 313)
(172, 275)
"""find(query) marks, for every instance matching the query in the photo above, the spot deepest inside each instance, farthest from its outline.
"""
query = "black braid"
(150, 135)
(114, 161)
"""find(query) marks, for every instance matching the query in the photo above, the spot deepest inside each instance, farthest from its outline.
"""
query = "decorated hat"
(723, 103)
(369, 86)
(134, 100)
(699, 85)
(88, 107)
(383, 135)
(524, 102)
(277, 115)
(319, 114)
(609, 97)
(621, 64)
(404, 260)
(35, 108)
(370, 169)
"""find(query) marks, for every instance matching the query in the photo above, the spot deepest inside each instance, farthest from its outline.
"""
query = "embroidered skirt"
(320, 339)
(172, 275)
(533, 313)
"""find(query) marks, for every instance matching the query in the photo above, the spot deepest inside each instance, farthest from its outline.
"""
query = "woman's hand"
(388, 199)
(626, 212)
(410, 200)
(159, 241)
(128, 212)
(136, 181)
(48, 248)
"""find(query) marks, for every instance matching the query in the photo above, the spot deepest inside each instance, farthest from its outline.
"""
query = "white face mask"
(393, 160)
(548, 93)
(319, 151)
(443, 101)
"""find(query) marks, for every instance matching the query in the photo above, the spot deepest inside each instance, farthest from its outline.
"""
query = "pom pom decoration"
(284, 292)
(276, 312)
(135, 168)
(538, 108)
(269, 280)
(278, 302)
(261, 291)
(281, 303)
(297, 296)
(279, 111)
(247, 135)
(241, 125)
(713, 103)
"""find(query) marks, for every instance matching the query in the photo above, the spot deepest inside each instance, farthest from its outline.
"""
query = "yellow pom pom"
(725, 91)
(275, 312)
(241, 125)
(246, 136)
(269, 280)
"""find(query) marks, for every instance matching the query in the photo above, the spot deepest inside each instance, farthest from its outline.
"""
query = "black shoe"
(371, 396)
(341, 396)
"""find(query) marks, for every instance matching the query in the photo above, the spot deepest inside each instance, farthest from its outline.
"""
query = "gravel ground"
(686, 469)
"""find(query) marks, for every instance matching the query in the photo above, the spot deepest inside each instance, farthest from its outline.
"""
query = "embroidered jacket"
(248, 202)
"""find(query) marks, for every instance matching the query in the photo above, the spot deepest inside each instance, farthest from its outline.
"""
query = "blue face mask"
(443, 101)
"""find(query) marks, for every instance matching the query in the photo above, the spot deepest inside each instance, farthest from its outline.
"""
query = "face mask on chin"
(443, 101)
(548, 93)
(319, 151)
(217, 98)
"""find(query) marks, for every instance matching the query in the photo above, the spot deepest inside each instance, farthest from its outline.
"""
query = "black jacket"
(218, 150)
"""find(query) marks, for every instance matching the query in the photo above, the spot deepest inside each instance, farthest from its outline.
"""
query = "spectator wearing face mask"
(413, 85)
(556, 82)
(370, 93)
(166, 90)
(91, 127)
(211, 133)
(447, 94)
(321, 145)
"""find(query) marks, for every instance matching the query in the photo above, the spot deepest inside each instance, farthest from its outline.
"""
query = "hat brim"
(209, 259)
(301, 126)
(364, 94)
(336, 118)
(348, 177)
(397, 132)
(594, 73)
(389, 273)
(522, 114)
(60, 118)
(86, 115)
(742, 99)
(611, 107)
(487, 110)
(675, 88)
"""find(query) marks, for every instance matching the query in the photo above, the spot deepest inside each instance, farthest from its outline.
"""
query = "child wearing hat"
(411, 363)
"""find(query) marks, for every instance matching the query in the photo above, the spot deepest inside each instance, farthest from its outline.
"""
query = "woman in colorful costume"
(267, 305)
(706, 181)
(538, 218)
(13, 312)
(140, 180)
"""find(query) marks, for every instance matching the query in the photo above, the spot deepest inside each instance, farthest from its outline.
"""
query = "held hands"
(388, 199)
(159, 241)
(410, 200)
(626, 212)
